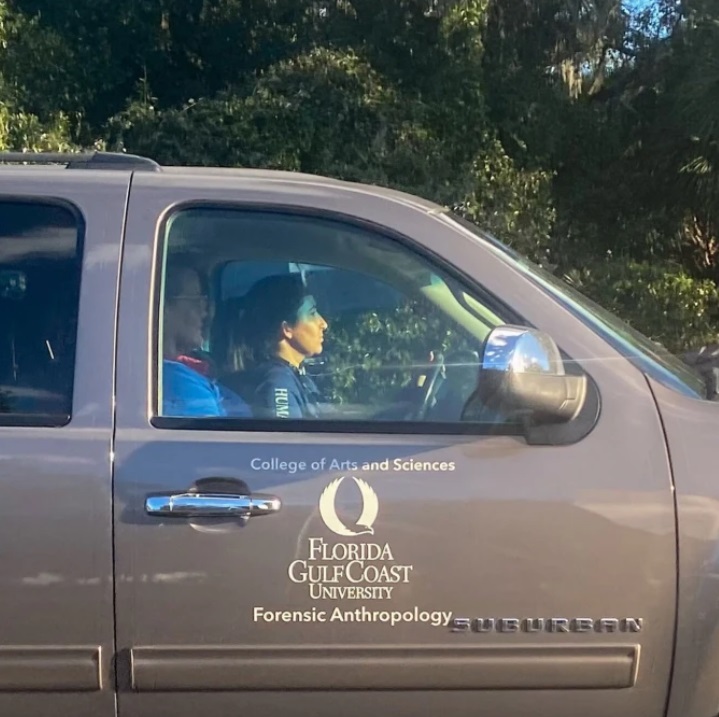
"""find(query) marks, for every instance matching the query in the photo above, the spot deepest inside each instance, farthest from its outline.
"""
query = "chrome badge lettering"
(546, 624)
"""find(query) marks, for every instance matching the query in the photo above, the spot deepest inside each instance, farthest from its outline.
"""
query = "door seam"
(113, 430)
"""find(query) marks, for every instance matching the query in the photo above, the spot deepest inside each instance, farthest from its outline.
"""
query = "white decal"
(335, 574)
(435, 618)
(370, 509)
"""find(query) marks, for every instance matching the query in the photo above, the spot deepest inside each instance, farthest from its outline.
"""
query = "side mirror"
(522, 374)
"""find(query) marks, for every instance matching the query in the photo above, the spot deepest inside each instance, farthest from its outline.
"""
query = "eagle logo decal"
(370, 509)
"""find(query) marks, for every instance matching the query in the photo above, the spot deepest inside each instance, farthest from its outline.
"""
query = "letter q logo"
(370, 509)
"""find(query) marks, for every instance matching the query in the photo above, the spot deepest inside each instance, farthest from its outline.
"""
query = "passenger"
(282, 328)
(188, 388)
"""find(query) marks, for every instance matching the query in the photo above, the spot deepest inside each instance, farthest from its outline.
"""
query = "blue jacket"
(188, 393)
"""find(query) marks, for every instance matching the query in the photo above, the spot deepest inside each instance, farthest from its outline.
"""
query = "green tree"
(331, 113)
(661, 300)
(89, 57)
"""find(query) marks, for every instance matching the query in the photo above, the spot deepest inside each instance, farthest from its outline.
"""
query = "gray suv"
(276, 444)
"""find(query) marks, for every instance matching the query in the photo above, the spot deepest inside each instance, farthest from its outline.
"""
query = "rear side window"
(40, 266)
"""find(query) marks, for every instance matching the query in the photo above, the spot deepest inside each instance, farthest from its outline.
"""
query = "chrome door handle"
(211, 505)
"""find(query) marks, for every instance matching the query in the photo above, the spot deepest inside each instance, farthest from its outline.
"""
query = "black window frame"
(336, 426)
(53, 420)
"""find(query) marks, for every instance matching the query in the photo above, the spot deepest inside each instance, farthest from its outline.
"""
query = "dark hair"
(269, 302)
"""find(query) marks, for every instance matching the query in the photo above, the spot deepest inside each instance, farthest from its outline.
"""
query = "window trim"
(53, 420)
(342, 426)
(294, 425)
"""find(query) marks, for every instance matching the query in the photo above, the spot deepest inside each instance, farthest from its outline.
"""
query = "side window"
(279, 316)
(40, 267)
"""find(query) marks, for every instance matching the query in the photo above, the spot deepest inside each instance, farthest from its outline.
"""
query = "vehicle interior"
(39, 286)
(405, 338)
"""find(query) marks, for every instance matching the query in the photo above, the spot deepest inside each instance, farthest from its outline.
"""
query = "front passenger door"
(409, 565)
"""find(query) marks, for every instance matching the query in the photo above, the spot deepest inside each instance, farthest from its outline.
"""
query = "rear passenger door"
(60, 235)
(415, 563)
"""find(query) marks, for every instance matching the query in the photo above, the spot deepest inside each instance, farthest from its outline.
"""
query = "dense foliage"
(583, 132)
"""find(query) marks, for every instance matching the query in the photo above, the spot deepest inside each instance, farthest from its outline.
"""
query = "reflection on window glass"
(275, 316)
(647, 355)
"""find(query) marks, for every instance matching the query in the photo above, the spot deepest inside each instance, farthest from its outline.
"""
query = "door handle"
(211, 505)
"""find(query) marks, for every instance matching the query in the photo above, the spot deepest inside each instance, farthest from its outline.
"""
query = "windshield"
(647, 355)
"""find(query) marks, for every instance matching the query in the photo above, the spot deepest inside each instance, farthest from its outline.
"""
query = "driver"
(282, 327)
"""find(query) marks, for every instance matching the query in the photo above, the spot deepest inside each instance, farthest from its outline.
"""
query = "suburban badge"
(545, 624)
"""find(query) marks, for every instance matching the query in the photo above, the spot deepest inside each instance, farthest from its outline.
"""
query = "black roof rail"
(84, 160)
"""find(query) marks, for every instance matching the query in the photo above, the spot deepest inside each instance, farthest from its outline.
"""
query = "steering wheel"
(430, 385)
